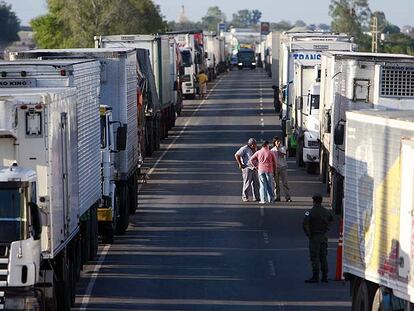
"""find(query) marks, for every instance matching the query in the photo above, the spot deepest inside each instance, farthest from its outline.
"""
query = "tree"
(246, 18)
(300, 23)
(73, 23)
(255, 18)
(281, 26)
(350, 16)
(213, 17)
(9, 24)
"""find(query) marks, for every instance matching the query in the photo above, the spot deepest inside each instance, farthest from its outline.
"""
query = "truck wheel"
(108, 233)
(94, 234)
(133, 195)
(364, 297)
(311, 167)
(123, 209)
(299, 155)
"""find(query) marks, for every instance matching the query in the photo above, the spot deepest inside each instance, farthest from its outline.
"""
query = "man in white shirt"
(249, 172)
(281, 171)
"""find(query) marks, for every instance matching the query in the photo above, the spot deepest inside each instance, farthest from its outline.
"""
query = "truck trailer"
(378, 253)
(118, 90)
(356, 81)
(159, 53)
(49, 198)
(305, 47)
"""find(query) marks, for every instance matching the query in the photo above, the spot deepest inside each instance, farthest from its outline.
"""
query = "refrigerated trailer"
(302, 46)
(378, 209)
(356, 81)
(159, 53)
(118, 90)
(48, 196)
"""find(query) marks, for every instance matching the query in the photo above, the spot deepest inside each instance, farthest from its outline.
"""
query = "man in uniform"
(249, 172)
(316, 225)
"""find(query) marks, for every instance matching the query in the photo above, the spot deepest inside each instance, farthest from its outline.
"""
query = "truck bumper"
(188, 89)
(105, 214)
(311, 155)
(18, 300)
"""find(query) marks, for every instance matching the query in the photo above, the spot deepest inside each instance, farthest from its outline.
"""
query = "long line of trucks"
(75, 125)
(356, 114)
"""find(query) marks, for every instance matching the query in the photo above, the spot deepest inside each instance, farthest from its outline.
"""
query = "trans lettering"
(307, 56)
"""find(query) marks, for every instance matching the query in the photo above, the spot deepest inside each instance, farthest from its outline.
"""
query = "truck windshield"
(246, 56)
(187, 61)
(314, 101)
(12, 216)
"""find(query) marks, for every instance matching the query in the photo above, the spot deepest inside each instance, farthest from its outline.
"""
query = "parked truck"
(306, 88)
(50, 183)
(356, 81)
(379, 201)
(159, 53)
(306, 47)
(192, 50)
(118, 93)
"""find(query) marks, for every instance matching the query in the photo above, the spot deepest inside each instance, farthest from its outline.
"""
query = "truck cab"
(20, 233)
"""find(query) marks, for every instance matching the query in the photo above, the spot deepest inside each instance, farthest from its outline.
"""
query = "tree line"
(72, 23)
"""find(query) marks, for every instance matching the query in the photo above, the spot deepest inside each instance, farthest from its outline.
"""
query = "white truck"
(303, 46)
(355, 81)
(214, 47)
(192, 51)
(159, 53)
(49, 185)
(306, 83)
(378, 253)
(118, 92)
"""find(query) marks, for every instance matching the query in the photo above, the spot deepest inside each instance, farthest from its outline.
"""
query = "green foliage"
(213, 17)
(9, 24)
(246, 18)
(349, 16)
(73, 23)
(174, 26)
(281, 26)
(398, 43)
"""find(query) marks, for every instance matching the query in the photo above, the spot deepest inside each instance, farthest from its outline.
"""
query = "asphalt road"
(193, 245)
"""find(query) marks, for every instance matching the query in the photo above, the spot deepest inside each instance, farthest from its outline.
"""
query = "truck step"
(4, 261)
(3, 283)
(2, 300)
(3, 272)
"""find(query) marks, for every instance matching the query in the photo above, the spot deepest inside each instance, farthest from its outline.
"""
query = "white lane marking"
(179, 135)
(261, 119)
(261, 108)
(272, 270)
(91, 284)
(261, 114)
(262, 124)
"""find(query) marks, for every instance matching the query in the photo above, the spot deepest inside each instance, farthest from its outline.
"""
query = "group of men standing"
(268, 167)
(264, 171)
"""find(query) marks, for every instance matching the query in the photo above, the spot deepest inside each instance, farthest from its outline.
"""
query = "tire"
(94, 234)
(299, 155)
(108, 233)
(149, 138)
(311, 167)
(364, 297)
(122, 208)
(133, 195)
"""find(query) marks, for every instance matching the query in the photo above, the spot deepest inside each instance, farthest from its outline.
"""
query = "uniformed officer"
(316, 225)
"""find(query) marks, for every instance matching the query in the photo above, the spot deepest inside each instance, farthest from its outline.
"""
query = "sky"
(398, 12)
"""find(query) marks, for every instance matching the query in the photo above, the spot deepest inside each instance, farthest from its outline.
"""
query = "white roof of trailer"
(344, 54)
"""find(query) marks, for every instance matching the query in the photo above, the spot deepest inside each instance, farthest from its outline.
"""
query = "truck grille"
(4, 263)
(397, 81)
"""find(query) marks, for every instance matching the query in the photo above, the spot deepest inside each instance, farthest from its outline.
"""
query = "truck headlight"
(253, 64)
(240, 64)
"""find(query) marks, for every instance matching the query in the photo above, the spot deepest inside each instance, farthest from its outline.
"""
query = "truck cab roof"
(70, 53)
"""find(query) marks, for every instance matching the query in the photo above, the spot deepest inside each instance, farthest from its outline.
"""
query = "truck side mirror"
(121, 138)
(36, 220)
(339, 134)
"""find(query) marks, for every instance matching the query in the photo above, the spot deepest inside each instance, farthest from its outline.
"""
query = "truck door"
(406, 210)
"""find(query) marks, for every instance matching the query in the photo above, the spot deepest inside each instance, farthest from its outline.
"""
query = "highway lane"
(193, 245)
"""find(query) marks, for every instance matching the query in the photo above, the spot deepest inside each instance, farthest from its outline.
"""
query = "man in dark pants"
(316, 225)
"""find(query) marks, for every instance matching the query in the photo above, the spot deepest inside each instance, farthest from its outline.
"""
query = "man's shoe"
(245, 200)
(312, 280)
(324, 280)
(288, 200)
(277, 199)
